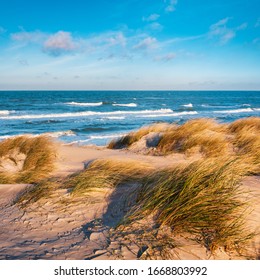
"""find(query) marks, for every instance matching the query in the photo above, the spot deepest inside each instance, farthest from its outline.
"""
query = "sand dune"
(70, 227)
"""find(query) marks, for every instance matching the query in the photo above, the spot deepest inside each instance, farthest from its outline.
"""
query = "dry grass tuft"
(205, 134)
(133, 137)
(102, 174)
(245, 123)
(99, 176)
(26, 159)
(41, 190)
(246, 140)
(203, 199)
(205, 137)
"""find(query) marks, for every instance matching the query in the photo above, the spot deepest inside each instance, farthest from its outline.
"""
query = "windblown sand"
(61, 227)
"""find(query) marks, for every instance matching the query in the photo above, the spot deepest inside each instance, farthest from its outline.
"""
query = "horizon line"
(1, 90)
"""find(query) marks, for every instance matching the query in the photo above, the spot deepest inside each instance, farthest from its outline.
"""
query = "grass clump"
(43, 189)
(99, 176)
(204, 134)
(245, 123)
(203, 199)
(246, 140)
(135, 136)
(102, 174)
(26, 159)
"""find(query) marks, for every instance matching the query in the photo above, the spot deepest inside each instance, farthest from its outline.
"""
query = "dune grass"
(32, 158)
(203, 136)
(206, 134)
(246, 140)
(129, 139)
(102, 174)
(202, 198)
(40, 190)
(245, 123)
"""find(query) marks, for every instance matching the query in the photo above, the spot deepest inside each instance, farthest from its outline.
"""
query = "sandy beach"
(64, 226)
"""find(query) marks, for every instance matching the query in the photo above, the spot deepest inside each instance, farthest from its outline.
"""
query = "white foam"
(109, 136)
(169, 115)
(18, 135)
(115, 118)
(95, 137)
(5, 136)
(50, 134)
(256, 109)
(60, 133)
(5, 112)
(77, 142)
(86, 114)
(188, 105)
(236, 111)
(219, 106)
(84, 104)
(126, 105)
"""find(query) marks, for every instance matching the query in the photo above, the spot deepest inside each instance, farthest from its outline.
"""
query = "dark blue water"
(95, 117)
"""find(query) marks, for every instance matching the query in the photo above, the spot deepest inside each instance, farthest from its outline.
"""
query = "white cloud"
(53, 44)
(152, 17)
(63, 42)
(104, 41)
(117, 39)
(222, 33)
(243, 26)
(155, 26)
(59, 43)
(171, 5)
(29, 37)
(147, 43)
(227, 36)
(220, 23)
(184, 39)
(165, 58)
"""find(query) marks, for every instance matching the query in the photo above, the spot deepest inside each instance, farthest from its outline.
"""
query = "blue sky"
(134, 44)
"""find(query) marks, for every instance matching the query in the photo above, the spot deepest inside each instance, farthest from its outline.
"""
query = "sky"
(130, 45)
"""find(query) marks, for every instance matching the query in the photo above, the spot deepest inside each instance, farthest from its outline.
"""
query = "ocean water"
(95, 117)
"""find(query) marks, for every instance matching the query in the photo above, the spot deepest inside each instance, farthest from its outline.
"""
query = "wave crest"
(190, 105)
(84, 104)
(86, 114)
(236, 111)
(5, 112)
(125, 105)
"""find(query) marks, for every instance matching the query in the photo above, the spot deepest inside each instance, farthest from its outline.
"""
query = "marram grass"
(135, 136)
(37, 153)
(204, 136)
(102, 174)
(202, 199)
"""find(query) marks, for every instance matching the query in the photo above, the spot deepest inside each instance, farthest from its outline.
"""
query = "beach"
(80, 209)
(129, 133)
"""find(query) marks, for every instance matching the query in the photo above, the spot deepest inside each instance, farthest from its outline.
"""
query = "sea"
(96, 117)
